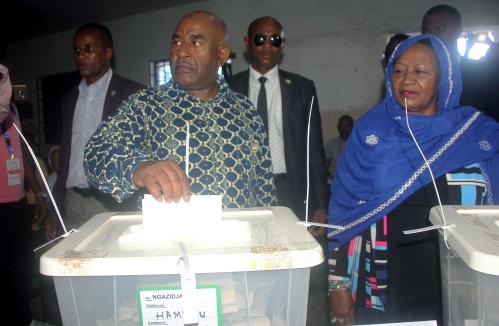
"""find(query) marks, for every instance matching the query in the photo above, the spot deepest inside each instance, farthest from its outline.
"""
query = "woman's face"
(415, 77)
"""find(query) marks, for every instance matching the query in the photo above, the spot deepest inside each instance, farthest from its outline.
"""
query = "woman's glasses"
(275, 40)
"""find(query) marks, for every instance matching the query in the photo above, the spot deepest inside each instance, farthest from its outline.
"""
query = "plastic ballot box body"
(253, 269)
(470, 266)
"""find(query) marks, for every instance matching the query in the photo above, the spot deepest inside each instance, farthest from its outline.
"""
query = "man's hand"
(320, 216)
(163, 179)
(41, 207)
(50, 227)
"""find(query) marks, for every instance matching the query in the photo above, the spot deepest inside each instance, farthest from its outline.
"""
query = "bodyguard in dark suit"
(285, 112)
(101, 91)
(283, 100)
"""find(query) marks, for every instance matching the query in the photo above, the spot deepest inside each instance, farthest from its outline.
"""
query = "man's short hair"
(104, 32)
(255, 22)
(440, 9)
(346, 117)
(219, 22)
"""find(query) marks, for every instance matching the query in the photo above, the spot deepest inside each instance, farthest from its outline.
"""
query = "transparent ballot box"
(470, 267)
(252, 269)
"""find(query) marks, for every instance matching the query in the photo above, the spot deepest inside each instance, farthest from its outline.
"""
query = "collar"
(174, 90)
(101, 83)
(272, 75)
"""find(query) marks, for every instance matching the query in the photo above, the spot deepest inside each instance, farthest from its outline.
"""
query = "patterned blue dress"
(228, 145)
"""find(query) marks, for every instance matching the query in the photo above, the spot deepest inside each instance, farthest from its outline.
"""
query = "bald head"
(215, 23)
(265, 41)
(444, 22)
(264, 20)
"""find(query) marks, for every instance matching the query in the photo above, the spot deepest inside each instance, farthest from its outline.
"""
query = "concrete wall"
(337, 43)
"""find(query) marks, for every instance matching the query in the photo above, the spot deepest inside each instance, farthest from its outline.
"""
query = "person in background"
(97, 96)
(335, 146)
(5, 94)
(444, 22)
(480, 81)
(383, 187)
(283, 101)
(16, 271)
(394, 41)
(490, 94)
(31, 194)
(53, 159)
(144, 144)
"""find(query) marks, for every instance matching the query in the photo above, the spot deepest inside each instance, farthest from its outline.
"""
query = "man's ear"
(223, 54)
(109, 54)
(246, 41)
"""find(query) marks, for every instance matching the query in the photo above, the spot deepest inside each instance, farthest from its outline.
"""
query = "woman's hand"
(341, 306)
(320, 216)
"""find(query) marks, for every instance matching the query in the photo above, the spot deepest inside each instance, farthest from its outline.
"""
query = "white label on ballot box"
(163, 306)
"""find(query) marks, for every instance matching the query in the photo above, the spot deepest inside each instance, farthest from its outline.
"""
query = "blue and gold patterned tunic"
(228, 148)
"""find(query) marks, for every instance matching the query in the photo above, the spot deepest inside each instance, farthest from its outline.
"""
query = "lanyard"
(6, 135)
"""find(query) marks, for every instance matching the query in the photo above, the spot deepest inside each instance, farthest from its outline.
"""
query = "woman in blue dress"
(383, 186)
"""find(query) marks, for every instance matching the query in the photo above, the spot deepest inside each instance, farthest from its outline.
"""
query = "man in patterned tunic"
(144, 144)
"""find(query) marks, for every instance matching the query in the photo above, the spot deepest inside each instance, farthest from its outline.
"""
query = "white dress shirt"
(274, 111)
(87, 116)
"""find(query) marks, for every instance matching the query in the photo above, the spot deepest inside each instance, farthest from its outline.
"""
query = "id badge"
(13, 179)
(13, 164)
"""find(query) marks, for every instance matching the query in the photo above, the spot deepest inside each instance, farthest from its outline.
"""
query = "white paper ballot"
(182, 218)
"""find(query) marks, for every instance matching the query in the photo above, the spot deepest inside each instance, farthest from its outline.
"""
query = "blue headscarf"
(381, 166)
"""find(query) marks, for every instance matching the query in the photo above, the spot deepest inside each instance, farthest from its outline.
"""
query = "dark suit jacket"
(480, 83)
(296, 94)
(119, 89)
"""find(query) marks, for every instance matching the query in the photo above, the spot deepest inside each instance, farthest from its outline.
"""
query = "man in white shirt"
(98, 94)
(283, 100)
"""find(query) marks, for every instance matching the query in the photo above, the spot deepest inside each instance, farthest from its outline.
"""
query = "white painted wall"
(337, 43)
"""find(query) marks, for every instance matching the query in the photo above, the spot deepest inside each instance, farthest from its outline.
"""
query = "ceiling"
(24, 19)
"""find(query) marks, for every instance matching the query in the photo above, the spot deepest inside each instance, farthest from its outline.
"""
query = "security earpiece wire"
(306, 223)
(433, 227)
(308, 157)
(66, 233)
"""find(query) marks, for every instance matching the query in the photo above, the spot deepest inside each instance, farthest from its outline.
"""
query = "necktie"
(261, 105)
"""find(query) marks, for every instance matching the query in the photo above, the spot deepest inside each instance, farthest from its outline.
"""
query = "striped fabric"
(465, 186)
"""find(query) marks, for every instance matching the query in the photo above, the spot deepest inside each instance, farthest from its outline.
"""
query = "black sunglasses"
(275, 39)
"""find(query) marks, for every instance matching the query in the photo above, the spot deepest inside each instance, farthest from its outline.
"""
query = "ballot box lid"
(251, 240)
(473, 235)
